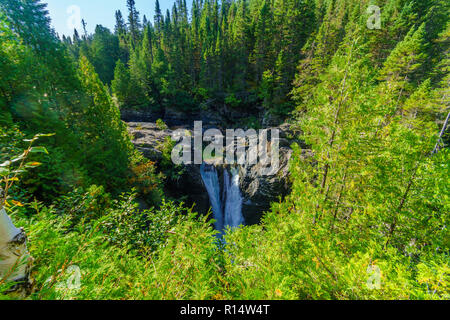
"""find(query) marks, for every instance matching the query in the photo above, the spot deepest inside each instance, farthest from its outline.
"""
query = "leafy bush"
(171, 171)
(122, 254)
(232, 101)
(147, 182)
(160, 124)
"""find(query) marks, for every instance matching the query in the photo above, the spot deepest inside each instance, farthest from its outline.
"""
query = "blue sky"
(64, 13)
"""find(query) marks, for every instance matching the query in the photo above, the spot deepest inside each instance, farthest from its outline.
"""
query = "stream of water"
(227, 210)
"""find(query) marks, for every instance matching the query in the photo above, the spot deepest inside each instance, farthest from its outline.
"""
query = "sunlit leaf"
(5, 164)
(4, 171)
(17, 203)
(18, 158)
(33, 164)
(38, 150)
(45, 135)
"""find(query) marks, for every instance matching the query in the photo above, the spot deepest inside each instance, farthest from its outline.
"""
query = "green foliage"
(12, 170)
(121, 85)
(147, 181)
(108, 143)
(43, 93)
(103, 247)
(105, 53)
(171, 171)
(367, 214)
(221, 48)
(161, 125)
(232, 101)
(367, 217)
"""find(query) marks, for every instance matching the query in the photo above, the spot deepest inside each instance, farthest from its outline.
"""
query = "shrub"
(161, 125)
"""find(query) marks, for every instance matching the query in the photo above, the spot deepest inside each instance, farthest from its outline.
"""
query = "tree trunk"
(15, 261)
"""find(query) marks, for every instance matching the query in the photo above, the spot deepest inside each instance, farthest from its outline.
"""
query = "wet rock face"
(191, 185)
(147, 138)
(258, 191)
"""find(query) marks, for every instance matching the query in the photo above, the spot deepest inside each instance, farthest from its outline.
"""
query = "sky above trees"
(97, 12)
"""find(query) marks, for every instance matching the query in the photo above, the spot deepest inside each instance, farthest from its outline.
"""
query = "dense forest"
(368, 213)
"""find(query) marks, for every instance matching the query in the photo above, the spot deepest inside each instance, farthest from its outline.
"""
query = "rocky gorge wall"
(258, 191)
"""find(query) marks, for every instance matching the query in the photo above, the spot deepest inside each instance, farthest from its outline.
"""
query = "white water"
(211, 180)
(232, 199)
(227, 211)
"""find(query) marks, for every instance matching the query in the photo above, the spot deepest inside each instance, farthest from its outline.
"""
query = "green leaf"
(18, 158)
(40, 135)
(38, 150)
(4, 171)
(32, 164)
(5, 164)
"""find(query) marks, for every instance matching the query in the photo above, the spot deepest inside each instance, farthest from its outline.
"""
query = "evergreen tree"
(121, 84)
(120, 28)
(159, 20)
(404, 62)
(85, 34)
(105, 52)
(29, 18)
(134, 24)
(106, 142)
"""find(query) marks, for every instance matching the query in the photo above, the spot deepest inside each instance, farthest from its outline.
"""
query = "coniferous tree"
(159, 20)
(120, 27)
(134, 24)
(401, 65)
(106, 140)
(85, 32)
(121, 84)
(105, 52)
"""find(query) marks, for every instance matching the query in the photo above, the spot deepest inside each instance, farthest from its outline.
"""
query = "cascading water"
(211, 180)
(232, 199)
(228, 210)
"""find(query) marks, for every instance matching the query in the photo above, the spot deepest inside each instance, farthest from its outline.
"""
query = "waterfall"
(227, 210)
(232, 199)
(211, 180)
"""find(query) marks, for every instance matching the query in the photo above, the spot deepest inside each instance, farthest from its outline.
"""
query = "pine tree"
(263, 53)
(105, 52)
(134, 24)
(121, 84)
(85, 32)
(145, 22)
(120, 28)
(159, 20)
(76, 37)
(29, 18)
(106, 143)
(139, 77)
(404, 62)
(121, 31)
(242, 44)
